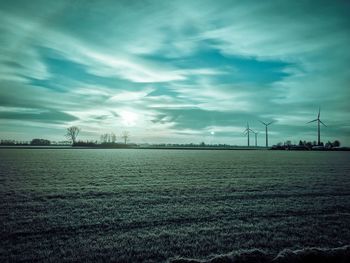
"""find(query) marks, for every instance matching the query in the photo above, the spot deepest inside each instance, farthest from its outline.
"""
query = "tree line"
(304, 145)
(71, 135)
(106, 138)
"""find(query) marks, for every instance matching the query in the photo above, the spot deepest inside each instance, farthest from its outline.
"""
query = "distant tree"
(72, 133)
(113, 138)
(125, 136)
(85, 144)
(336, 143)
(308, 144)
(108, 138)
(329, 145)
(104, 138)
(288, 143)
(40, 142)
(8, 142)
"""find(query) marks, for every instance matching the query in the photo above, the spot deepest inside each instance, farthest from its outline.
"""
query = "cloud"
(41, 115)
(183, 71)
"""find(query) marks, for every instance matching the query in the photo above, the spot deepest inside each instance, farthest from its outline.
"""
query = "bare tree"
(72, 133)
(113, 138)
(104, 138)
(125, 136)
(108, 138)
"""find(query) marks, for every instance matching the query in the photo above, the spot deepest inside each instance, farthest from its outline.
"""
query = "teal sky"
(175, 71)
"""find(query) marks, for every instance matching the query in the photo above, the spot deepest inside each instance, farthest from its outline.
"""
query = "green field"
(151, 205)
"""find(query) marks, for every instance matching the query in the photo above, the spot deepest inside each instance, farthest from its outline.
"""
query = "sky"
(175, 71)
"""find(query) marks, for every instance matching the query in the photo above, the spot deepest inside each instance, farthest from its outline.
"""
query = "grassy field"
(152, 205)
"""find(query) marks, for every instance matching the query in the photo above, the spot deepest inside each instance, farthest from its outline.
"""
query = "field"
(153, 205)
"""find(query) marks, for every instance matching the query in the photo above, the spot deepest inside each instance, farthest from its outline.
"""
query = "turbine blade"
(319, 112)
(313, 120)
(270, 123)
(323, 123)
(263, 122)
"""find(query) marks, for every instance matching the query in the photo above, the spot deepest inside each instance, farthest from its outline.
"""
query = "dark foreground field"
(156, 205)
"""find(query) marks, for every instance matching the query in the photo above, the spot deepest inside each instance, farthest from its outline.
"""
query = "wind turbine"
(247, 131)
(256, 138)
(318, 126)
(266, 131)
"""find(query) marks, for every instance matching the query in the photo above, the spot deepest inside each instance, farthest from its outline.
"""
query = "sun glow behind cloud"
(129, 118)
(171, 72)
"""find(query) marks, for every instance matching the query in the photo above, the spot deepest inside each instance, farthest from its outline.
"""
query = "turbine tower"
(256, 138)
(318, 126)
(266, 132)
(247, 131)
